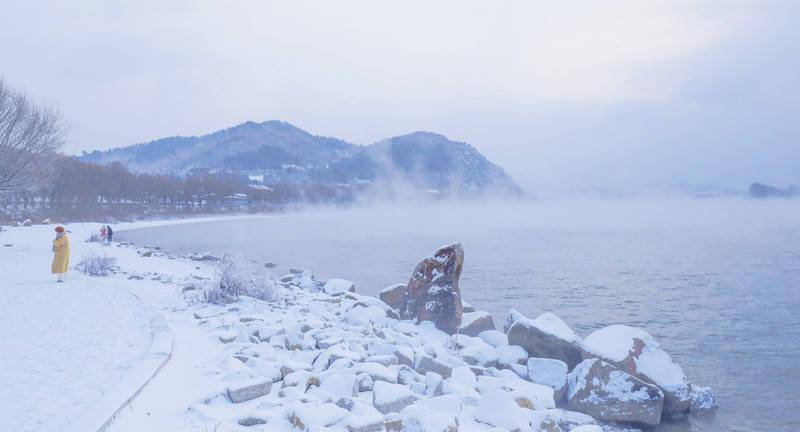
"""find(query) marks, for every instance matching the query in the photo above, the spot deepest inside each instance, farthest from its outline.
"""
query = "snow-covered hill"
(279, 152)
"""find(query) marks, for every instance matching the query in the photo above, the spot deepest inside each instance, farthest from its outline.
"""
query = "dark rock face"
(606, 393)
(434, 291)
(398, 297)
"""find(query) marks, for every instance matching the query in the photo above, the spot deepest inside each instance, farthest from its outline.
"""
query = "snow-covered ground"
(64, 346)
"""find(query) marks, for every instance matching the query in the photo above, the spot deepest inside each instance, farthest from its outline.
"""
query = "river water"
(717, 282)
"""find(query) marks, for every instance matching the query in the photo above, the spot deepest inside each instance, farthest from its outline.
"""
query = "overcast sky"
(564, 95)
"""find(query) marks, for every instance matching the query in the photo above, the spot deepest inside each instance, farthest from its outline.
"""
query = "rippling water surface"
(717, 282)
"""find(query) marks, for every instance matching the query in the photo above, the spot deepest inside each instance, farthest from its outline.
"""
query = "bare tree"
(30, 133)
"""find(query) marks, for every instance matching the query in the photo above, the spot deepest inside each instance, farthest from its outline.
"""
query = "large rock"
(434, 291)
(473, 323)
(606, 393)
(639, 354)
(547, 337)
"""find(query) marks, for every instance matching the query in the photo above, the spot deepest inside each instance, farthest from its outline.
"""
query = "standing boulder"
(547, 337)
(639, 354)
(606, 393)
(434, 291)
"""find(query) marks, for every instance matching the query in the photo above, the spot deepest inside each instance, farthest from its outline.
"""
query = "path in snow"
(63, 345)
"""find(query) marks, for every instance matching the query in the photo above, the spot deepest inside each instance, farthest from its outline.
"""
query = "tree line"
(38, 182)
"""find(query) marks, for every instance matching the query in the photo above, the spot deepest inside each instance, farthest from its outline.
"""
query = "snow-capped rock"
(388, 397)
(422, 418)
(429, 364)
(498, 408)
(512, 317)
(548, 337)
(494, 338)
(549, 372)
(248, 390)
(508, 355)
(337, 287)
(703, 399)
(599, 389)
(473, 323)
(639, 354)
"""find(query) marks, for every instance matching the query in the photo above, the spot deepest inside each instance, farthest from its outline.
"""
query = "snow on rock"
(248, 390)
(494, 338)
(703, 399)
(549, 372)
(499, 408)
(307, 416)
(340, 384)
(587, 428)
(599, 389)
(464, 377)
(639, 354)
(429, 364)
(473, 323)
(388, 397)
(512, 317)
(421, 418)
(434, 290)
(547, 336)
(508, 355)
(337, 287)
(474, 350)
(555, 420)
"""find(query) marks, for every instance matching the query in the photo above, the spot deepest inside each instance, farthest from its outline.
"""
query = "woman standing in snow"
(61, 254)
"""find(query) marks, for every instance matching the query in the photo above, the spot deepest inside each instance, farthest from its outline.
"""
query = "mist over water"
(715, 281)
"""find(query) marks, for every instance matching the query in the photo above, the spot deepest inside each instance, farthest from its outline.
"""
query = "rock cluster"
(322, 357)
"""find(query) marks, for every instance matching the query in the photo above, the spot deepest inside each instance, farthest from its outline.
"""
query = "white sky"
(563, 94)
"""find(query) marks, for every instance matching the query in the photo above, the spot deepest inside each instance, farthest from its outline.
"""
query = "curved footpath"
(74, 354)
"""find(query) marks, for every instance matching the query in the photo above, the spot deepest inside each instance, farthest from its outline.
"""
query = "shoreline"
(252, 340)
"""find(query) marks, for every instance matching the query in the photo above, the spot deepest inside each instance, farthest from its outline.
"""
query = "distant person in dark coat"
(110, 234)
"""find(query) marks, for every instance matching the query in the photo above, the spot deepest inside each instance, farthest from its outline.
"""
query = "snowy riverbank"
(319, 356)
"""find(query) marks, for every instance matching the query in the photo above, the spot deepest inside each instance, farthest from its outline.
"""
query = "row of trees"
(75, 190)
(37, 182)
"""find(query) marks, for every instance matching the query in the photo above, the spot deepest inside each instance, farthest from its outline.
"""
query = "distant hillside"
(758, 190)
(278, 152)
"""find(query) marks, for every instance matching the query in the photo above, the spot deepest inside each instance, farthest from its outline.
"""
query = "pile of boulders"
(323, 357)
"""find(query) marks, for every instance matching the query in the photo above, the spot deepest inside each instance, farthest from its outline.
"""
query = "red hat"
(59, 229)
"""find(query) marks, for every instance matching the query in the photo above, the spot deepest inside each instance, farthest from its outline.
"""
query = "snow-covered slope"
(280, 152)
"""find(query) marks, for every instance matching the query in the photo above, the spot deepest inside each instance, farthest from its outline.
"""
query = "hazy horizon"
(620, 96)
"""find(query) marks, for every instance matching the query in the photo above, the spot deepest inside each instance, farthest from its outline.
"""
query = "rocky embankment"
(323, 357)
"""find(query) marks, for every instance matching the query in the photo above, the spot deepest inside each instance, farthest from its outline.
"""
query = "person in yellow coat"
(60, 254)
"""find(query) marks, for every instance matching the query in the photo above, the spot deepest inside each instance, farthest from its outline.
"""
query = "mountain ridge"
(278, 152)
